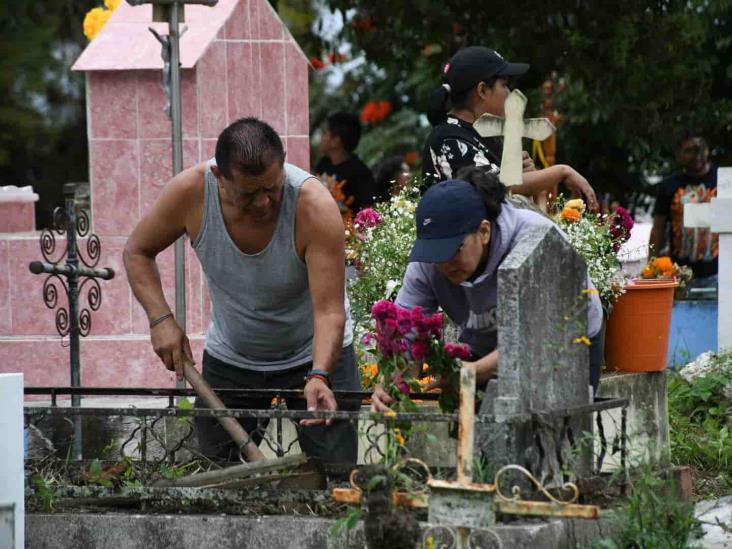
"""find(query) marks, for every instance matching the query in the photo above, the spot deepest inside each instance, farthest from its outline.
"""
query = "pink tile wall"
(29, 315)
(17, 217)
(125, 362)
(238, 25)
(112, 105)
(272, 64)
(243, 80)
(114, 173)
(5, 323)
(152, 120)
(298, 120)
(298, 152)
(270, 25)
(212, 90)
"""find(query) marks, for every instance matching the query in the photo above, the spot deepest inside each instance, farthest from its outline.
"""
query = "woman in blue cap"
(465, 229)
(476, 81)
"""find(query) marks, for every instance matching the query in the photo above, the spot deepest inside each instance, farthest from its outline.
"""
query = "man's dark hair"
(346, 126)
(685, 136)
(248, 146)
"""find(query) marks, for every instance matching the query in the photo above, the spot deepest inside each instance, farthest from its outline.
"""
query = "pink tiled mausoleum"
(238, 59)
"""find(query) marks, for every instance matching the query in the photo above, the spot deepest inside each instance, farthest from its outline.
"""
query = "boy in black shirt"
(695, 183)
(351, 181)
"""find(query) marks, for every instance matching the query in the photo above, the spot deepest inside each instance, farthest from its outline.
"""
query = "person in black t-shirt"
(349, 179)
(477, 81)
(695, 183)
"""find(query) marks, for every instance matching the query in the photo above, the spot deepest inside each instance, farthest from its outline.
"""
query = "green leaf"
(95, 469)
(185, 404)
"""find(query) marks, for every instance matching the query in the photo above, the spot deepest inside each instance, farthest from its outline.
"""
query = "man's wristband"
(323, 375)
(154, 322)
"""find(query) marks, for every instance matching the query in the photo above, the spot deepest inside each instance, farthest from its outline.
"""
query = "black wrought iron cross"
(73, 272)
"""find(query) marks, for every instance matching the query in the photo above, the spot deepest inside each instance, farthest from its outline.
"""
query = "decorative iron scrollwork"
(516, 490)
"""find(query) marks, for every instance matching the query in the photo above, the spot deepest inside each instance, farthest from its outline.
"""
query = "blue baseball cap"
(447, 213)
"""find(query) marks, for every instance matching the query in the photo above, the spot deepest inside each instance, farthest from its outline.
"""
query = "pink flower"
(366, 219)
(383, 309)
(403, 387)
(458, 350)
(621, 226)
(430, 326)
(419, 349)
(368, 338)
(404, 320)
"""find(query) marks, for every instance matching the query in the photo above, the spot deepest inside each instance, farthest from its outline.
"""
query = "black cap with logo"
(475, 64)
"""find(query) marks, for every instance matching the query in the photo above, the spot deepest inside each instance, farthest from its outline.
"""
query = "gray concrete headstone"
(542, 311)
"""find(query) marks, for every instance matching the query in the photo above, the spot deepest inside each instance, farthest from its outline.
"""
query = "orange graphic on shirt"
(692, 244)
(344, 202)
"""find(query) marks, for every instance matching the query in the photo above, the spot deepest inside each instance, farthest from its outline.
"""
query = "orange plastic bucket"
(638, 329)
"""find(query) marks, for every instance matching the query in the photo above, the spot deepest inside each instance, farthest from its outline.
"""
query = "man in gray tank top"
(270, 241)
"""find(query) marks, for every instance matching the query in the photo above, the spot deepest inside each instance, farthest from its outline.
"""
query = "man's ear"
(217, 172)
(484, 231)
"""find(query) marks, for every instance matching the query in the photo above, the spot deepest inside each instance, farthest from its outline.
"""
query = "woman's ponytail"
(490, 188)
(437, 105)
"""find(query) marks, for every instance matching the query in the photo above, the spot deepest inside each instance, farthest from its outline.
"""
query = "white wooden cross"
(717, 216)
(513, 128)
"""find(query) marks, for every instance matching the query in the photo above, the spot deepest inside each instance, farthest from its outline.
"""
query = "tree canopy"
(632, 74)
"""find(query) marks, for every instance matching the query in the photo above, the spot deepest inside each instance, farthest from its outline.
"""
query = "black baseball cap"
(477, 64)
(446, 214)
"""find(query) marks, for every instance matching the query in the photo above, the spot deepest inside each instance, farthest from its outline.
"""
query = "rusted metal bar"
(238, 413)
(402, 499)
(173, 392)
(547, 509)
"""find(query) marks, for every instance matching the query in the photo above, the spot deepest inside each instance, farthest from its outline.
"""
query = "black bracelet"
(160, 319)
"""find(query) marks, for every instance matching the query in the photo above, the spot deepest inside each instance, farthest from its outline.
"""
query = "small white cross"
(513, 128)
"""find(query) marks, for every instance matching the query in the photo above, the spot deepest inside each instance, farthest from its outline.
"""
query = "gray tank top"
(261, 308)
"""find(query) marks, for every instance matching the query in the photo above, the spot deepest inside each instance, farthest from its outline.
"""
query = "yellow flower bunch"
(96, 18)
(573, 210)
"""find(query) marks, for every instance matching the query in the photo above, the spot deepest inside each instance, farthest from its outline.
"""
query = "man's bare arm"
(163, 224)
(322, 225)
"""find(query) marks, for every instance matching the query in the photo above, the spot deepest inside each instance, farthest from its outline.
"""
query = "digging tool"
(242, 439)
(303, 471)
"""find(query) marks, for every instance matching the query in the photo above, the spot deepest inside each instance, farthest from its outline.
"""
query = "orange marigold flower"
(663, 264)
(570, 214)
(576, 204)
(411, 157)
(648, 272)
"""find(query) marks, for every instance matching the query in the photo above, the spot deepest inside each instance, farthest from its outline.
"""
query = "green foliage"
(44, 492)
(625, 85)
(653, 518)
(347, 522)
(382, 255)
(591, 238)
(42, 116)
(700, 416)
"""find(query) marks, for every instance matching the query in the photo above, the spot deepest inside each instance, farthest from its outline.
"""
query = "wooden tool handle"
(230, 424)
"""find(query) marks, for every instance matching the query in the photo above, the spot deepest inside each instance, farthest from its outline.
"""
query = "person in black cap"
(476, 81)
(465, 229)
